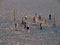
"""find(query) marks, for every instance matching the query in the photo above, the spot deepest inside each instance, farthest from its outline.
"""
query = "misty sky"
(43, 7)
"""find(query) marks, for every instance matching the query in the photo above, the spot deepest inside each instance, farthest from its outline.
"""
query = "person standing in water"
(23, 22)
(49, 16)
(16, 26)
(26, 17)
(35, 18)
(39, 17)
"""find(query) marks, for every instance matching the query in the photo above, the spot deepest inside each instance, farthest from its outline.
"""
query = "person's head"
(25, 16)
(49, 14)
(39, 17)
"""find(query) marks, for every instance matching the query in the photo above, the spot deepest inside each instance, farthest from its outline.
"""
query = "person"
(26, 17)
(39, 17)
(49, 16)
(16, 26)
(24, 22)
(35, 18)
(40, 25)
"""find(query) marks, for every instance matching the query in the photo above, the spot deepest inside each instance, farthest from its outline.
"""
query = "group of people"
(35, 20)
(24, 22)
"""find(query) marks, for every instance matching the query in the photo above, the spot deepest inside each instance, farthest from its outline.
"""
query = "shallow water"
(47, 36)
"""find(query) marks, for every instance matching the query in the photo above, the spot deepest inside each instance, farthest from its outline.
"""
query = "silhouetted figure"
(34, 19)
(40, 25)
(49, 16)
(16, 26)
(39, 17)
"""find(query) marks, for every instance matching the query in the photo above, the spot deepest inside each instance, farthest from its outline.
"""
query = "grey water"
(47, 36)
